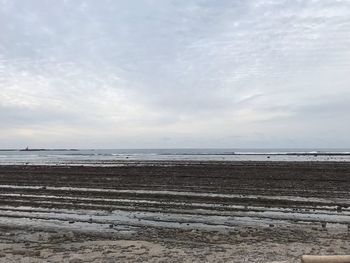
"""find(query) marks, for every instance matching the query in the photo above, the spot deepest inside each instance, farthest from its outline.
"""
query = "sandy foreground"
(174, 212)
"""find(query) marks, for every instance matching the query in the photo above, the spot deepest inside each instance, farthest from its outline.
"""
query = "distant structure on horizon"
(26, 149)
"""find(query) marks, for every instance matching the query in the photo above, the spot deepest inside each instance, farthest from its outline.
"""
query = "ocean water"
(121, 156)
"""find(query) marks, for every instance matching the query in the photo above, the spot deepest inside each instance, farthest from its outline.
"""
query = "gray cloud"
(199, 73)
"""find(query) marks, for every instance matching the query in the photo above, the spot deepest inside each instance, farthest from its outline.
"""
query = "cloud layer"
(120, 74)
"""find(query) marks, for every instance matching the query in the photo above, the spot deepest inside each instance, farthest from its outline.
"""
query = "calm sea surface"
(116, 156)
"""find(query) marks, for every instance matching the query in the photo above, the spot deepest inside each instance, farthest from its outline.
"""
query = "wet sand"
(180, 211)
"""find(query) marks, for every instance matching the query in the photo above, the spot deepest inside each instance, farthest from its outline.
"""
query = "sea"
(110, 157)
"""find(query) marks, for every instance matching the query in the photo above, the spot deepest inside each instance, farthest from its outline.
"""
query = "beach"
(174, 211)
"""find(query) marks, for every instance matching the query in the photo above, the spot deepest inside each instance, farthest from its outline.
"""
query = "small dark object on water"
(271, 225)
(324, 225)
(111, 226)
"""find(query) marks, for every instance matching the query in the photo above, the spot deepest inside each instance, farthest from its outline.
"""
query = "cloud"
(195, 72)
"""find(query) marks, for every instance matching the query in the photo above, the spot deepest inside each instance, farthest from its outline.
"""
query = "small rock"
(243, 234)
(69, 235)
(34, 253)
(75, 260)
(19, 252)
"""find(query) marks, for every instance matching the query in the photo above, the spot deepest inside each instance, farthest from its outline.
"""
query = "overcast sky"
(180, 73)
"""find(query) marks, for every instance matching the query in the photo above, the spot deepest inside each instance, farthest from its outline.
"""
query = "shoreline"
(129, 162)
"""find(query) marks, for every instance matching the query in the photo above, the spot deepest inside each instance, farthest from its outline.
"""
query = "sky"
(174, 73)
